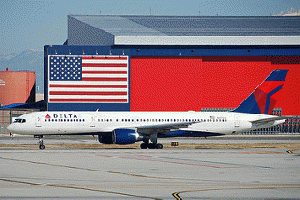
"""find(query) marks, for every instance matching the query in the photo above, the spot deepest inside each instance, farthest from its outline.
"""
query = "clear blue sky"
(33, 24)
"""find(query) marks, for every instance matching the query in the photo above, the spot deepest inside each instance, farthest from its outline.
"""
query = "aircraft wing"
(163, 128)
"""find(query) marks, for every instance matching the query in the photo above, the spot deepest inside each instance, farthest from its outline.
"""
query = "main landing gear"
(145, 145)
(153, 145)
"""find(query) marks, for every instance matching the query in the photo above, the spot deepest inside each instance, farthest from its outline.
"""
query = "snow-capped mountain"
(30, 60)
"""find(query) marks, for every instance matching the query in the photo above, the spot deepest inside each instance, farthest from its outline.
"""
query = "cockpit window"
(18, 120)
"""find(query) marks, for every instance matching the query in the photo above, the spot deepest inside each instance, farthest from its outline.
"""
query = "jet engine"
(106, 138)
(120, 136)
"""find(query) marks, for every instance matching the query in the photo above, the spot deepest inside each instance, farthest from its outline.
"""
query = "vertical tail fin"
(264, 97)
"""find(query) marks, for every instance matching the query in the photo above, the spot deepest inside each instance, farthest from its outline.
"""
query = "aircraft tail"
(264, 97)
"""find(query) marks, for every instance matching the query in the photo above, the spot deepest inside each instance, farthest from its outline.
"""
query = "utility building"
(17, 87)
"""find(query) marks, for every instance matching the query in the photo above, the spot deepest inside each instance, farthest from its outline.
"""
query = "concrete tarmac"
(170, 173)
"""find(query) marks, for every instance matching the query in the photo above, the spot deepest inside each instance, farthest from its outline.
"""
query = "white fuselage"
(40, 123)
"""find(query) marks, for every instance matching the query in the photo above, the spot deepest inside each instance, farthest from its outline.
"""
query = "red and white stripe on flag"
(88, 79)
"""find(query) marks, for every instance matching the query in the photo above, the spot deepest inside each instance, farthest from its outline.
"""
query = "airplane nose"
(10, 128)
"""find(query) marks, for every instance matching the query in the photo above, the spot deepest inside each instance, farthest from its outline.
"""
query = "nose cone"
(10, 128)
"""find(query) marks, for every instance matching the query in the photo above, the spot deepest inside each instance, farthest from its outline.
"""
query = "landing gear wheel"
(151, 146)
(41, 141)
(144, 146)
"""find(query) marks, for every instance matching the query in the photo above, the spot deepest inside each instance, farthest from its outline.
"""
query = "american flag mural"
(88, 79)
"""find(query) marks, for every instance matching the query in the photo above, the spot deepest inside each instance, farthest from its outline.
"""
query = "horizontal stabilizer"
(267, 120)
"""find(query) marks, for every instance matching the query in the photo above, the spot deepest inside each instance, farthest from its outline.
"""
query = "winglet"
(264, 97)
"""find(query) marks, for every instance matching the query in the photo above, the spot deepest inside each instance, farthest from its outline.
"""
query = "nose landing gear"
(41, 142)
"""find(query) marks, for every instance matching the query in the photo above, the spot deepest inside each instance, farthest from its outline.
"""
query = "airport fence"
(291, 126)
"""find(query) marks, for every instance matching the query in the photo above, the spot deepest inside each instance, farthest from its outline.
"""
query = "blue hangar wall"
(87, 78)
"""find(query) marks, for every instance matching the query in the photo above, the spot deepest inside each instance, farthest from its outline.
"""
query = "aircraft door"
(38, 122)
(93, 121)
(236, 121)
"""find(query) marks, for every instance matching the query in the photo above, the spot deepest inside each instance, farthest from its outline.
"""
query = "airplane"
(130, 127)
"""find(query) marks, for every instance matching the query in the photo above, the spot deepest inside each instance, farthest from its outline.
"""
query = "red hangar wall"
(191, 83)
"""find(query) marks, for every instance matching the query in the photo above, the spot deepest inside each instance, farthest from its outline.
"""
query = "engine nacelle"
(106, 138)
(125, 136)
(120, 136)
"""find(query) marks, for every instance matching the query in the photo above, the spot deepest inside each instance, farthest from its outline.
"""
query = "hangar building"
(171, 63)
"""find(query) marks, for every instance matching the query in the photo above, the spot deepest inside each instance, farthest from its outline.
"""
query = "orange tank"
(17, 87)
